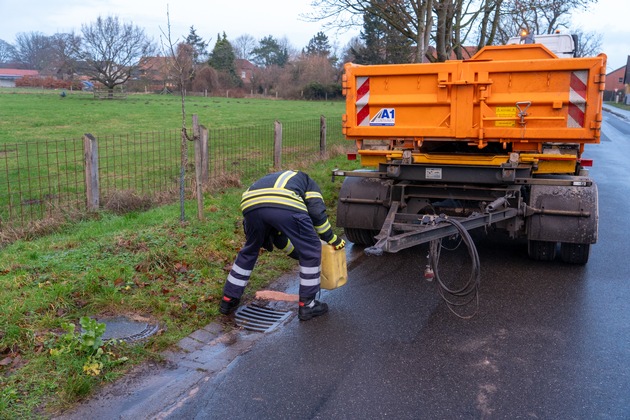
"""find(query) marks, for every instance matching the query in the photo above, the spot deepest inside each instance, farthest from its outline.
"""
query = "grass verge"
(32, 115)
(620, 106)
(146, 264)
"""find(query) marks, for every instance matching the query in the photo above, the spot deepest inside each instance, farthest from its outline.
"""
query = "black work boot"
(228, 305)
(310, 308)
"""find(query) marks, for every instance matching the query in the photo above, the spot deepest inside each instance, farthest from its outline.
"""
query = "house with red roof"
(245, 70)
(616, 84)
(9, 76)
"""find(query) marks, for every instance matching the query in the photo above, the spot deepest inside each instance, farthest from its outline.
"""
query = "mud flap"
(567, 214)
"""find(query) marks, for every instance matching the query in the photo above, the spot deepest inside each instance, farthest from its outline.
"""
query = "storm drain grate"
(259, 318)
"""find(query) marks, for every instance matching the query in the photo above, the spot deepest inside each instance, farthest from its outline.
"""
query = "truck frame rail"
(401, 231)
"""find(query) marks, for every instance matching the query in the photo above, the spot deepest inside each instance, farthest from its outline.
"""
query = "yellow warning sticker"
(506, 112)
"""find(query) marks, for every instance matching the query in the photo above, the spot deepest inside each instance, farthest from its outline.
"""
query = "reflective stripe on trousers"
(298, 227)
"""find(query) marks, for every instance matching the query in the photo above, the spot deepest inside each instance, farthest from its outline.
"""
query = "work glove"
(268, 243)
(337, 242)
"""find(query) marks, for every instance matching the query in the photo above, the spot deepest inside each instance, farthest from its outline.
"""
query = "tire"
(361, 236)
(574, 253)
(541, 250)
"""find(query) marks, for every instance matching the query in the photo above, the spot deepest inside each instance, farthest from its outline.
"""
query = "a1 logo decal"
(384, 117)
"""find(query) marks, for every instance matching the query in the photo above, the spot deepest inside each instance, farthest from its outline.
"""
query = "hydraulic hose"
(457, 297)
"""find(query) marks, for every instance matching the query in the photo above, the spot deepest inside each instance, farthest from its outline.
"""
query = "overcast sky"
(259, 18)
(610, 18)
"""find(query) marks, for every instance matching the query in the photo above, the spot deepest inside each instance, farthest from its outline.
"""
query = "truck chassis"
(399, 206)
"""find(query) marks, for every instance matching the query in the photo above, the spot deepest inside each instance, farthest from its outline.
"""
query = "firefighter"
(286, 209)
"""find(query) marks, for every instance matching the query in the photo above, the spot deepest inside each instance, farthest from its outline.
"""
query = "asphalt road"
(549, 341)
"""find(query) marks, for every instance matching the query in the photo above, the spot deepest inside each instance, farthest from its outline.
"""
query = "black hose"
(469, 292)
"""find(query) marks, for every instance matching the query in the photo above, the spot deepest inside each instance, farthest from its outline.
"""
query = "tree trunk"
(441, 11)
(425, 20)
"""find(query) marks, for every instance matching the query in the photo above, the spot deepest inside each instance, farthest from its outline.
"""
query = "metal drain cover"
(259, 318)
(128, 330)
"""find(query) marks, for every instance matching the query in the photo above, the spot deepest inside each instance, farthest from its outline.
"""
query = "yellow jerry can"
(334, 268)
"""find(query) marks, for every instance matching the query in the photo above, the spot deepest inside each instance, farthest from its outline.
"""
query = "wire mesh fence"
(243, 152)
(145, 163)
(41, 178)
(50, 179)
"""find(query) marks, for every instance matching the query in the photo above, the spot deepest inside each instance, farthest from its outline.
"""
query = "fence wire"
(242, 152)
(144, 163)
(47, 179)
(41, 179)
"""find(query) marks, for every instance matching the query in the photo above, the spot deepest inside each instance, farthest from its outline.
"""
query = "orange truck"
(495, 141)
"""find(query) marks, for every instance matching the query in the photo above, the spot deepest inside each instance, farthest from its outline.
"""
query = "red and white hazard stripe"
(363, 97)
(577, 99)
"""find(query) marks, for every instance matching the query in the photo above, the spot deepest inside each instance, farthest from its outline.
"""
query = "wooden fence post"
(205, 161)
(92, 190)
(322, 136)
(198, 165)
(277, 146)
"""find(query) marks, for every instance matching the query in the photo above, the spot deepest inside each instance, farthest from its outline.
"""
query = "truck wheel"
(361, 236)
(541, 250)
(574, 253)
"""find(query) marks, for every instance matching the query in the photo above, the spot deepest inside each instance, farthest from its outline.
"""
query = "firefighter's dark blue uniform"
(287, 209)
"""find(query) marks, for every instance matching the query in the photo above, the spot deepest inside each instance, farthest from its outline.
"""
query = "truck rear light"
(352, 156)
(586, 162)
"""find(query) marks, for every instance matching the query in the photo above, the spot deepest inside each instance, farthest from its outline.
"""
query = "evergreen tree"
(200, 47)
(383, 44)
(270, 52)
(318, 45)
(371, 52)
(398, 48)
(222, 59)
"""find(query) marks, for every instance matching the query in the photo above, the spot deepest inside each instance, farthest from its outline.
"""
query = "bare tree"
(489, 19)
(445, 13)
(7, 52)
(458, 21)
(206, 78)
(312, 69)
(537, 16)
(181, 60)
(412, 18)
(243, 46)
(292, 51)
(449, 24)
(64, 48)
(33, 50)
(113, 50)
(266, 80)
(589, 43)
(185, 66)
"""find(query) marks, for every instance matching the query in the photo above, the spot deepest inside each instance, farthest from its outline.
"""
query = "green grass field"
(41, 148)
(146, 264)
(47, 116)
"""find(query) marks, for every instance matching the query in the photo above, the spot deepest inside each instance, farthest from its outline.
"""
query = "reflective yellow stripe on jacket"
(277, 195)
(282, 180)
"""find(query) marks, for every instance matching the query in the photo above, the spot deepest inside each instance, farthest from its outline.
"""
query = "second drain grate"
(259, 318)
